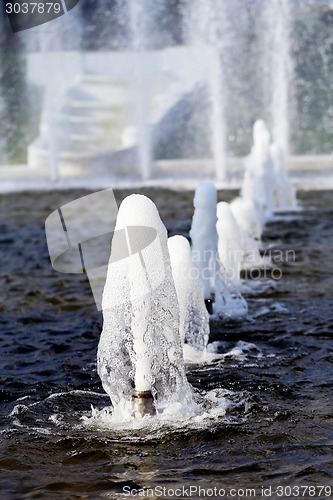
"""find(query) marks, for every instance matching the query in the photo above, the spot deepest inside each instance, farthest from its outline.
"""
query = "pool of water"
(278, 427)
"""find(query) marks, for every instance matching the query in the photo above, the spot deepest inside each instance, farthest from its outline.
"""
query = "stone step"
(94, 79)
(94, 104)
(92, 143)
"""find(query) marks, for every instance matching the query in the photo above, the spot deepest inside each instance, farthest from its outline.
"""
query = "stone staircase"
(92, 126)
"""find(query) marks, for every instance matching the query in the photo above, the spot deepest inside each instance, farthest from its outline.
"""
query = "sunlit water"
(264, 405)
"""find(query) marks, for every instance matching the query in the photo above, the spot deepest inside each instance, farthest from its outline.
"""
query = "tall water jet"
(218, 125)
(140, 347)
(194, 319)
(60, 35)
(284, 192)
(278, 66)
(258, 183)
(139, 14)
(206, 20)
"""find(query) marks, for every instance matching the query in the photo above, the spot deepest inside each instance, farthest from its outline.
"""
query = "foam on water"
(60, 413)
(239, 352)
(211, 409)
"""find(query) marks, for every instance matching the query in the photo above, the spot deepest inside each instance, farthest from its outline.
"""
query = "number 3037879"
(33, 8)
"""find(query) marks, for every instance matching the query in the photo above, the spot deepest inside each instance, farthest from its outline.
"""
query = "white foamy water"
(210, 408)
(194, 318)
(140, 344)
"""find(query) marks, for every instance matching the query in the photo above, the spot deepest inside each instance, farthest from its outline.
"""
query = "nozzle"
(209, 305)
(143, 403)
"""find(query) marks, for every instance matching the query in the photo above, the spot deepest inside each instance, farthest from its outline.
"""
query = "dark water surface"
(281, 433)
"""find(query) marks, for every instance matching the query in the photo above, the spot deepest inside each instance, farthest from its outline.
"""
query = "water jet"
(194, 320)
(140, 345)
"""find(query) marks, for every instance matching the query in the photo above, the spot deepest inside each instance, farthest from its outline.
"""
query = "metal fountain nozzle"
(143, 403)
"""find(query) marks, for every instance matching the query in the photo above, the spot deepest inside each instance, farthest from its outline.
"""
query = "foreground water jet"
(140, 348)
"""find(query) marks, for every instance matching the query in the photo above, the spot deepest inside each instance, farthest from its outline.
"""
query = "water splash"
(176, 418)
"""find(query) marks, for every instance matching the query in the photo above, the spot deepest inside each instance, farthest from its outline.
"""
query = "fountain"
(230, 245)
(266, 185)
(247, 216)
(140, 348)
(194, 320)
(278, 67)
(162, 295)
(204, 239)
(139, 29)
(258, 183)
(284, 191)
(110, 109)
(238, 249)
(204, 27)
(58, 74)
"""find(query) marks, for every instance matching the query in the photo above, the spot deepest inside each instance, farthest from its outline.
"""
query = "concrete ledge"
(307, 172)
